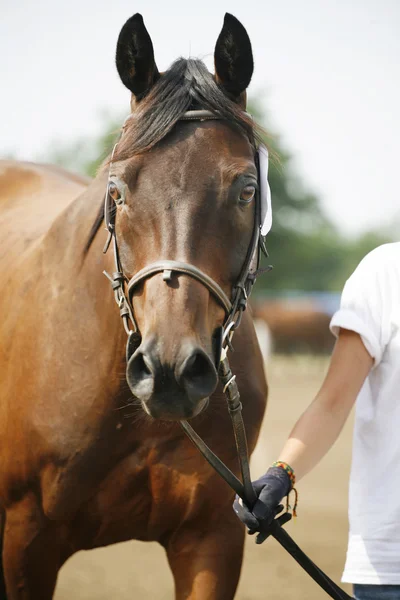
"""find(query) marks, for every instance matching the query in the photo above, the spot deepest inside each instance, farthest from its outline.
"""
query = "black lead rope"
(245, 490)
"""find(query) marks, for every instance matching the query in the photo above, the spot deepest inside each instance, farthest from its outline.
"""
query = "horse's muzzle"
(172, 391)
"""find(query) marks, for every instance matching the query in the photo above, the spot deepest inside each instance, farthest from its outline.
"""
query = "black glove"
(270, 489)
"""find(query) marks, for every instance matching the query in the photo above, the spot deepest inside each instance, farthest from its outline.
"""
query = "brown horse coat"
(81, 464)
(77, 469)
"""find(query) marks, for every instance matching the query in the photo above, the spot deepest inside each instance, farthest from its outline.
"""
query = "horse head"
(184, 193)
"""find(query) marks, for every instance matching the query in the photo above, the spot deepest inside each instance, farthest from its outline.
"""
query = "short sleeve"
(362, 306)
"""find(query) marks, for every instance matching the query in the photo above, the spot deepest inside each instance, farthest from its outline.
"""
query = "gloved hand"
(270, 489)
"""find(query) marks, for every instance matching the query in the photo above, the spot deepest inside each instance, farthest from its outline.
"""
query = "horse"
(296, 326)
(92, 451)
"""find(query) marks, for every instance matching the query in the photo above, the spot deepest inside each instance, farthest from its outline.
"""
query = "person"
(364, 366)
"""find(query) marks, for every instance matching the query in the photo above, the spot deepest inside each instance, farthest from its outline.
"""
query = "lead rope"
(232, 394)
(245, 490)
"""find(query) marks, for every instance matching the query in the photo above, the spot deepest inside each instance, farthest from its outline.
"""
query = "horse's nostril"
(196, 366)
(145, 365)
(198, 375)
(139, 367)
(140, 375)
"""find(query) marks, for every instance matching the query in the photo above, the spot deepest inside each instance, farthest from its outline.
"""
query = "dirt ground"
(138, 570)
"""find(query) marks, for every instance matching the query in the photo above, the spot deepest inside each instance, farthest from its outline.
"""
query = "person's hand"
(270, 489)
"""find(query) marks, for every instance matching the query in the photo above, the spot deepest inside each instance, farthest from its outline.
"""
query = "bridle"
(234, 308)
(124, 288)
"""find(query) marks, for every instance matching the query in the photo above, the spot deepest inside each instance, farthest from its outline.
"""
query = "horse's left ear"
(233, 57)
(135, 57)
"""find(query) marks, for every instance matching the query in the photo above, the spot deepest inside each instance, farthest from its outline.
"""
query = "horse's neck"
(79, 270)
(71, 232)
(74, 224)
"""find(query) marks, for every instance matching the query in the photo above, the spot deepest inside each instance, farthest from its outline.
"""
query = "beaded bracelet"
(292, 478)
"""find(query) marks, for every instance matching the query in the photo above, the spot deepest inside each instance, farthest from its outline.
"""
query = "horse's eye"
(247, 194)
(114, 192)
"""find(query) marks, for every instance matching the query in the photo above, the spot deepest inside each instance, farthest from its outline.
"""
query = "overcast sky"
(326, 70)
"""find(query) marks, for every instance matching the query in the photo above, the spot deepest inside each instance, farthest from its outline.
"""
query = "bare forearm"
(313, 435)
(319, 426)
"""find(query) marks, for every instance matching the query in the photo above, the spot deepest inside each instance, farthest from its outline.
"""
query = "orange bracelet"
(292, 478)
(288, 470)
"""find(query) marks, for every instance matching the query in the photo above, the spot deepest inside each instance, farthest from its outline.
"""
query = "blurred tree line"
(307, 251)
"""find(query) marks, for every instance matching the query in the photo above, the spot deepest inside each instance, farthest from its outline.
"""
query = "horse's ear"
(233, 57)
(135, 57)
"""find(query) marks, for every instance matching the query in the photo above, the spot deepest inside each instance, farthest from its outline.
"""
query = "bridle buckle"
(167, 275)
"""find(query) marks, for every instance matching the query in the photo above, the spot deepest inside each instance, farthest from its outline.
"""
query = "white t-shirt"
(370, 306)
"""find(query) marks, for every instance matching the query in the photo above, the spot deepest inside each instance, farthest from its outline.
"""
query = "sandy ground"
(138, 570)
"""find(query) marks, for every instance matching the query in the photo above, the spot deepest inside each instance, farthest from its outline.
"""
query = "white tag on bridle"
(265, 192)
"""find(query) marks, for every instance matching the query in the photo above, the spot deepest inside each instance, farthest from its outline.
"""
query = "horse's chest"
(146, 495)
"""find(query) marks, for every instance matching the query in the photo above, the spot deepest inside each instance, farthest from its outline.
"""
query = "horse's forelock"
(186, 85)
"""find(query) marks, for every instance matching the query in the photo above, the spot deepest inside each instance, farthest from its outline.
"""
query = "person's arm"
(315, 432)
(319, 426)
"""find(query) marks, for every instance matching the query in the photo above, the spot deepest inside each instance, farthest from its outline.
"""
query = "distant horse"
(295, 327)
(91, 456)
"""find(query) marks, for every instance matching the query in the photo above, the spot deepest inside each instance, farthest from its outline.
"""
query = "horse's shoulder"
(63, 174)
(23, 179)
(32, 195)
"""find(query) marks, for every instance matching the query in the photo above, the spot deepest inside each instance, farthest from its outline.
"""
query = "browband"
(200, 115)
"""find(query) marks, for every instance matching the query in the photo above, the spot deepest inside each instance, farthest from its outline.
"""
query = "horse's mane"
(186, 85)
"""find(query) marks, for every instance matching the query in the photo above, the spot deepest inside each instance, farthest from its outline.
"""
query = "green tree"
(85, 155)
(306, 249)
